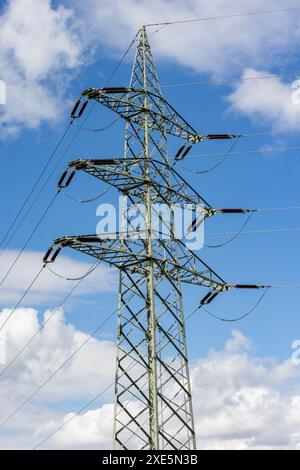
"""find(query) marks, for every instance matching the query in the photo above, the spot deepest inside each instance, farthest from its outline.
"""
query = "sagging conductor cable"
(241, 317)
(227, 242)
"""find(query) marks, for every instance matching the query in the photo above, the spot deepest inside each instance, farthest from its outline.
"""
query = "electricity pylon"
(153, 401)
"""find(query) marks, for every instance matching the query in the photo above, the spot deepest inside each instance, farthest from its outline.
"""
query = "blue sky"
(88, 52)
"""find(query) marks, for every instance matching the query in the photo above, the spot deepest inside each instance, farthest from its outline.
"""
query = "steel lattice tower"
(153, 401)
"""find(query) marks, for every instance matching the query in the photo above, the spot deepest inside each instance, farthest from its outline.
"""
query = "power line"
(223, 17)
(219, 163)
(221, 245)
(86, 201)
(44, 185)
(233, 80)
(243, 152)
(35, 185)
(79, 278)
(242, 317)
(247, 232)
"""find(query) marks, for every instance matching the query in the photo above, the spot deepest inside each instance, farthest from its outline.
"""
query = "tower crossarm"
(129, 104)
(129, 254)
(128, 176)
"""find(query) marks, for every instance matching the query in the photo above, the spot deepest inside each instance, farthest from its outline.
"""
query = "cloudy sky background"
(246, 388)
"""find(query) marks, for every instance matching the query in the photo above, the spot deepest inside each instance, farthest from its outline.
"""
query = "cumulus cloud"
(102, 279)
(220, 47)
(81, 378)
(40, 46)
(270, 101)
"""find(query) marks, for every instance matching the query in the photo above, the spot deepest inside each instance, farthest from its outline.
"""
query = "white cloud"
(81, 378)
(270, 101)
(39, 47)
(42, 46)
(102, 279)
(238, 342)
(221, 47)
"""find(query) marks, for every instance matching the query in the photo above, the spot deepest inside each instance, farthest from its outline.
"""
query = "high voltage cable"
(233, 80)
(223, 17)
(44, 185)
(247, 232)
(35, 184)
(241, 317)
(242, 152)
(221, 245)
(79, 278)
(220, 162)
(86, 201)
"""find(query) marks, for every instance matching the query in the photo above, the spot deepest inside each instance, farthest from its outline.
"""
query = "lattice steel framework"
(153, 402)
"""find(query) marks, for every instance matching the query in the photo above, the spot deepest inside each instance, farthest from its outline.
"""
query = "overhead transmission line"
(244, 152)
(35, 185)
(224, 17)
(232, 80)
(247, 232)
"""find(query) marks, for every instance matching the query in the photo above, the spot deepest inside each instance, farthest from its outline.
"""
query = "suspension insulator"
(186, 152)
(48, 253)
(73, 112)
(205, 298)
(180, 150)
(209, 297)
(61, 179)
